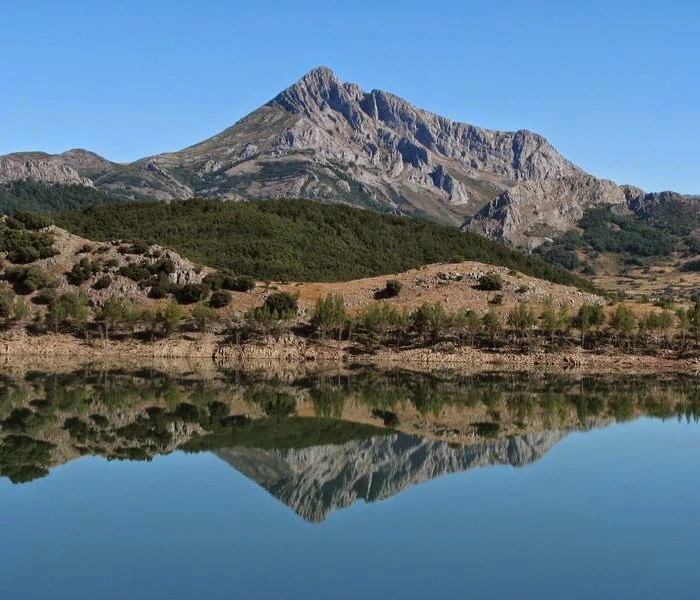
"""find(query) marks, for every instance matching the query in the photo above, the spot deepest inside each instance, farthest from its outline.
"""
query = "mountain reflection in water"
(315, 481)
(319, 442)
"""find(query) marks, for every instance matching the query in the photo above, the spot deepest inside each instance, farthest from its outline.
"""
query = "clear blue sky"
(613, 85)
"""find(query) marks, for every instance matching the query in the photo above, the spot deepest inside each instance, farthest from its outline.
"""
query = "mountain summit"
(331, 141)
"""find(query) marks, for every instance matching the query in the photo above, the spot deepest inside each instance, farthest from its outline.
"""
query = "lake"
(124, 483)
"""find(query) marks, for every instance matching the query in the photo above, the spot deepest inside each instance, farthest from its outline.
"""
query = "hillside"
(651, 249)
(301, 240)
(38, 196)
(327, 140)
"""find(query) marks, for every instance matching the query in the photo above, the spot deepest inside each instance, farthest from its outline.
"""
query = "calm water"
(274, 508)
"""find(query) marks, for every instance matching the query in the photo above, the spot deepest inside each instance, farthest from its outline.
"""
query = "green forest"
(34, 196)
(298, 240)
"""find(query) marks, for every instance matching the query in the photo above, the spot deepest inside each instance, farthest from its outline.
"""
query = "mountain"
(326, 140)
(315, 481)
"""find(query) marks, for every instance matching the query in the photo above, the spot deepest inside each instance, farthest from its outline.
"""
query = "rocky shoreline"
(207, 350)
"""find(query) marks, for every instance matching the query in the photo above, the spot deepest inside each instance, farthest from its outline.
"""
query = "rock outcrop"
(39, 167)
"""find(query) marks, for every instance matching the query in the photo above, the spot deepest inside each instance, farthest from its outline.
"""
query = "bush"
(242, 283)
(139, 247)
(220, 298)
(213, 280)
(391, 289)
(203, 315)
(160, 289)
(7, 300)
(277, 306)
(82, 271)
(389, 418)
(102, 283)
(490, 282)
(27, 280)
(191, 293)
(23, 246)
(283, 304)
(45, 296)
(497, 300)
(429, 319)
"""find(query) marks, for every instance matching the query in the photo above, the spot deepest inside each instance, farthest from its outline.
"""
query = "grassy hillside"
(43, 197)
(298, 240)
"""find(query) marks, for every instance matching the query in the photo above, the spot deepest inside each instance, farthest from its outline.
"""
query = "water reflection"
(314, 481)
(319, 442)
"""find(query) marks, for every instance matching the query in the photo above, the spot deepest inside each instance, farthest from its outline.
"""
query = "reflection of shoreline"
(48, 418)
(315, 481)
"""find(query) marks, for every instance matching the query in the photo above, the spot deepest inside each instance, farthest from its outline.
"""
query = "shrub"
(139, 247)
(160, 288)
(45, 296)
(24, 246)
(102, 283)
(497, 300)
(82, 271)
(191, 293)
(490, 282)
(242, 283)
(220, 298)
(213, 280)
(7, 300)
(389, 418)
(27, 280)
(171, 317)
(203, 315)
(282, 304)
(429, 319)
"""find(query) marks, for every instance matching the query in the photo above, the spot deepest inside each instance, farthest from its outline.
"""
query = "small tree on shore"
(116, 312)
(330, 316)
(203, 315)
(589, 317)
(492, 324)
(171, 318)
(623, 323)
(429, 320)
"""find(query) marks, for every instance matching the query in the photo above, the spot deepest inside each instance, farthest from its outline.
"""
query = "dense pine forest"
(298, 240)
(35, 196)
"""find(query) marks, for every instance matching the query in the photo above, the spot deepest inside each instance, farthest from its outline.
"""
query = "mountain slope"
(326, 140)
(300, 240)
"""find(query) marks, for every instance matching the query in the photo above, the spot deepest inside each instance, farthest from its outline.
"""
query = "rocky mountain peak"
(329, 140)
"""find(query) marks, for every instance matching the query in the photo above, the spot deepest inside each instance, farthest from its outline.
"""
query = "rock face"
(39, 167)
(315, 481)
(331, 141)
